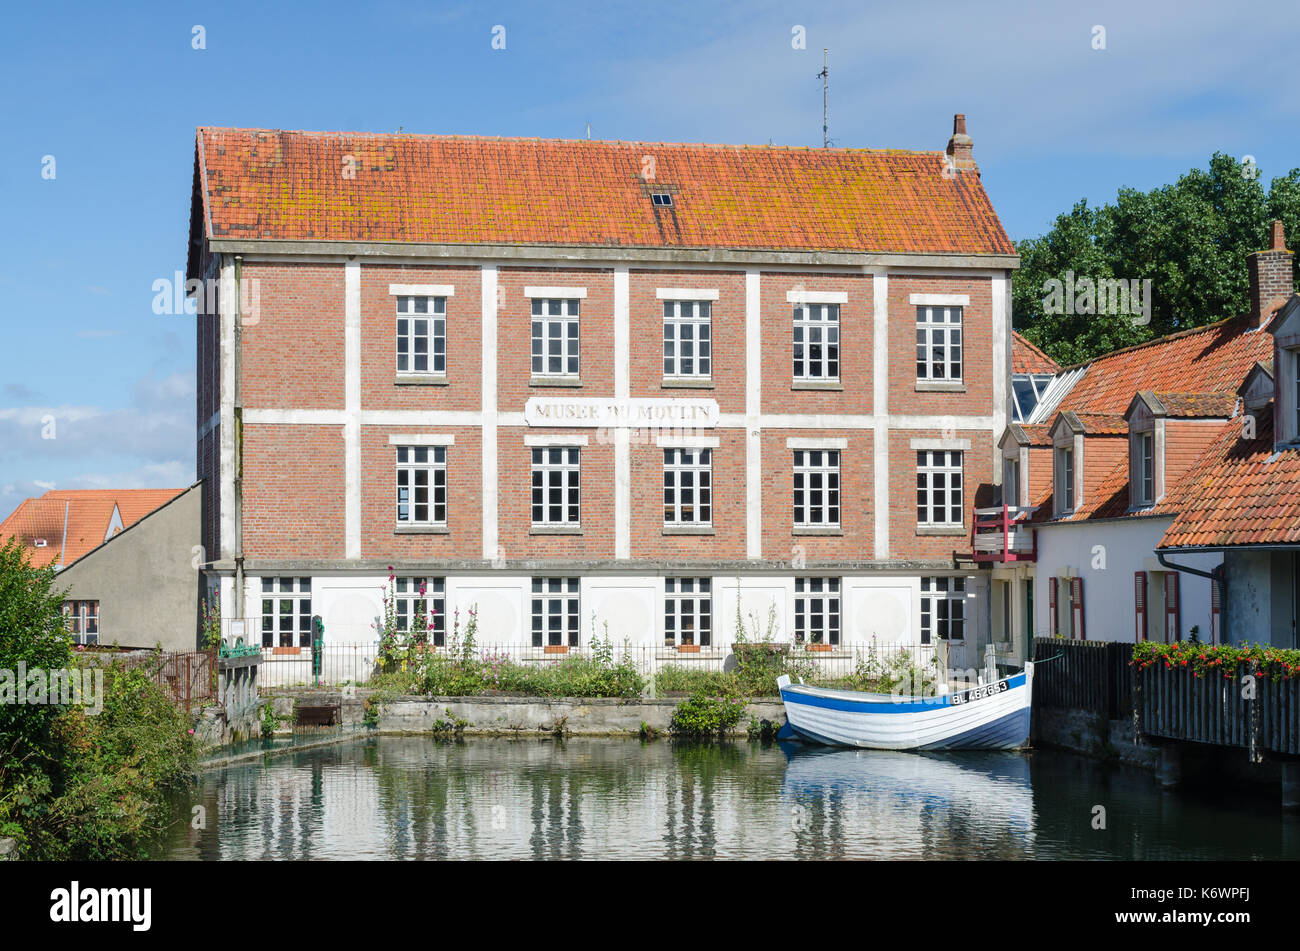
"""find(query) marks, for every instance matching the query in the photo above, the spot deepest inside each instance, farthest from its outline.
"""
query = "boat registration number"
(979, 693)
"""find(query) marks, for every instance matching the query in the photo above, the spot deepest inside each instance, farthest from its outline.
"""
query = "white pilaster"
(488, 398)
(352, 409)
(227, 302)
(880, 410)
(622, 438)
(753, 409)
(1001, 295)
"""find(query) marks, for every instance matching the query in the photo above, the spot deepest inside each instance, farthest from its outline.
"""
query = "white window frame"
(276, 590)
(547, 461)
(406, 605)
(434, 467)
(1038, 384)
(1294, 434)
(688, 611)
(818, 604)
(435, 336)
(1144, 475)
(1064, 470)
(942, 334)
(695, 316)
(943, 605)
(542, 322)
(565, 592)
(81, 616)
(826, 326)
(931, 465)
(698, 463)
(808, 465)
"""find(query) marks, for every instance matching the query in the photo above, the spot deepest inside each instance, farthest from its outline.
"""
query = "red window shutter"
(1140, 605)
(1172, 632)
(1053, 623)
(1076, 609)
(1215, 609)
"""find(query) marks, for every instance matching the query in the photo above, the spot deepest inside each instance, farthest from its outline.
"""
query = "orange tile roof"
(87, 514)
(273, 184)
(37, 519)
(1032, 434)
(1026, 358)
(1194, 373)
(1210, 359)
(1103, 424)
(1198, 405)
(1240, 492)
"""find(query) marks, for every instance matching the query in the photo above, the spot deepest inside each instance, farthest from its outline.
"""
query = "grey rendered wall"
(143, 579)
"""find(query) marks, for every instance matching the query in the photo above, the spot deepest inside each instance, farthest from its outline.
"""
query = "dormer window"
(1065, 480)
(1295, 396)
(39, 543)
(1010, 482)
(1144, 482)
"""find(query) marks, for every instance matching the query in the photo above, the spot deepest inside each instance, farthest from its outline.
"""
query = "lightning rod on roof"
(825, 76)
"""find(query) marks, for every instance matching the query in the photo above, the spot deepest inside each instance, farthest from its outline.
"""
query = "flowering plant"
(398, 646)
(1271, 663)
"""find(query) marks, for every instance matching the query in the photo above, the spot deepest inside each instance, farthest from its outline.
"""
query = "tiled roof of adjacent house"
(1198, 405)
(1026, 358)
(1102, 424)
(37, 520)
(1240, 492)
(1032, 434)
(87, 515)
(1210, 359)
(435, 189)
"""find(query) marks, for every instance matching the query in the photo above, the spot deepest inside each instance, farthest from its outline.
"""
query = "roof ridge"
(1176, 335)
(445, 136)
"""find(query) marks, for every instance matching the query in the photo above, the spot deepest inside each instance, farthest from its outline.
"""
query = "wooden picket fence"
(1093, 676)
(1174, 704)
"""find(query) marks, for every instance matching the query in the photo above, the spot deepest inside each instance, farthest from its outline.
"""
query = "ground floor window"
(416, 598)
(688, 611)
(286, 612)
(83, 620)
(943, 609)
(555, 612)
(817, 610)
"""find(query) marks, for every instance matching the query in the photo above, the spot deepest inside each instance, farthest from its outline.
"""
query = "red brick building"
(566, 379)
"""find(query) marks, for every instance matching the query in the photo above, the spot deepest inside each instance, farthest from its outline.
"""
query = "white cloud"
(1173, 77)
(158, 425)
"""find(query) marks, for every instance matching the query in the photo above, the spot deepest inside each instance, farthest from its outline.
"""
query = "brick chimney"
(960, 145)
(1271, 280)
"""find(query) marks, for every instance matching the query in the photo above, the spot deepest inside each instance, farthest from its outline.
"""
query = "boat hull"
(993, 717)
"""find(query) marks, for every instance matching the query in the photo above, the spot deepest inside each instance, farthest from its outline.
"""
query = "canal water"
(423, 798)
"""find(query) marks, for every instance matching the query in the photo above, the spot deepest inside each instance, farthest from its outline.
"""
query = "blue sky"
(114, 95)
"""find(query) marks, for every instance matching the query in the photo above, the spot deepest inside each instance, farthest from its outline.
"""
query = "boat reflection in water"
(909, 805)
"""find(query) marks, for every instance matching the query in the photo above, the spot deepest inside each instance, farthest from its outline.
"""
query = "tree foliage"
(76, 784)
(1190, 239)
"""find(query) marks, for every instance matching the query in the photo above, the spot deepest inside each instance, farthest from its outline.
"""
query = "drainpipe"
(63, 545)
(1216, 576)
(239, 443)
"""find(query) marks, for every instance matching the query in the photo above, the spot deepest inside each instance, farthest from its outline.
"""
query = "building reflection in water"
(421, 798)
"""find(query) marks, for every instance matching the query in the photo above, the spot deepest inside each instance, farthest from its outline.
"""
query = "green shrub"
(75, 785)
(704, 715)
(677, 679)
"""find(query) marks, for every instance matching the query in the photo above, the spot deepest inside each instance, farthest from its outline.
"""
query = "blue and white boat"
(994, 716)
